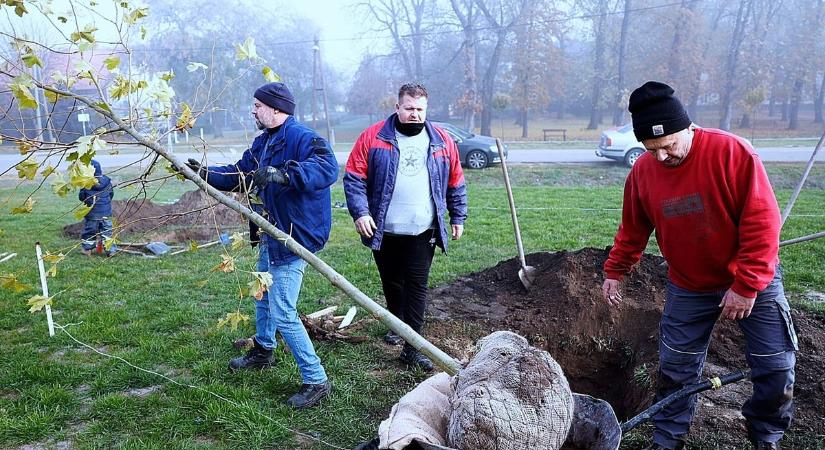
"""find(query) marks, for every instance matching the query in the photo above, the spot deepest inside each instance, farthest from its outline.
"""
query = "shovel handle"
(710, 383)
(512, 204)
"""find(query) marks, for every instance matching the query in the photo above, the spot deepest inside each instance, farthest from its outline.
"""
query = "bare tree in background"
(621, 90)
(470, 101)
(599, 9)
(405, 20)
(502, 16)
(743, 17)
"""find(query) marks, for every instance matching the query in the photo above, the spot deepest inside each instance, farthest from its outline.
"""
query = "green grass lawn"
(161, 314)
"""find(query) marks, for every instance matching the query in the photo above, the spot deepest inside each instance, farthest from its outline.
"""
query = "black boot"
(413, 358)
(309, 395)
(256, 358)
(393, 339)
(762, 445)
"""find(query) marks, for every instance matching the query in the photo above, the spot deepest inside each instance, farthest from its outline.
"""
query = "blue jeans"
(277, 311)
(94, 229)
(684, 335)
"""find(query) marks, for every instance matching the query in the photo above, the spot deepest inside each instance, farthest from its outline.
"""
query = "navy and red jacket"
(372, 168)
(99, 196)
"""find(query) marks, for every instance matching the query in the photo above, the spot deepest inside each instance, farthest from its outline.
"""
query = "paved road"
(790, 154)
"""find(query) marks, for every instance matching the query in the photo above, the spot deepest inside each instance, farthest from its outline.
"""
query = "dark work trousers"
(404, 265)
(684, 335)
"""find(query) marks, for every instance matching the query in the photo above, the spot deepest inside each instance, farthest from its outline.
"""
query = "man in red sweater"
(707, 195)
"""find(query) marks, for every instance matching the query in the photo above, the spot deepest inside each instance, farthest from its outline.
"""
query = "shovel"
(527, 274)
(595, 426)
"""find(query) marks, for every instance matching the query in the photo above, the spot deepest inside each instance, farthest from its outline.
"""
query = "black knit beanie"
(276, 95)
(656, 112)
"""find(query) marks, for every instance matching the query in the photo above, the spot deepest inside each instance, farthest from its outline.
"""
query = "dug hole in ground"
(609, 353)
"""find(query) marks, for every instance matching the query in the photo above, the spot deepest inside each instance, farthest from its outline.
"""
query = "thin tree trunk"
(738, 36)
(598, 68)
(524, 125)
(488, 84)
(820, 102)
(618, 111)
(796, 99)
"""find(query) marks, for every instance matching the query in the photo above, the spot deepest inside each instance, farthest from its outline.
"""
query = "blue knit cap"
(276, 95)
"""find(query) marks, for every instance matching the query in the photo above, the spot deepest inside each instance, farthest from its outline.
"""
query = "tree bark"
(470, 97)
(796, 99)
(819, 103)
(618, 112)
(598, 67)
(738, 36)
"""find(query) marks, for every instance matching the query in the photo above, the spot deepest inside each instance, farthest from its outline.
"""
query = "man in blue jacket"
(291, 169)
(97, 224)
(403, 175)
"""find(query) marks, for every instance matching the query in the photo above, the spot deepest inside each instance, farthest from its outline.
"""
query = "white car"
(620, 144)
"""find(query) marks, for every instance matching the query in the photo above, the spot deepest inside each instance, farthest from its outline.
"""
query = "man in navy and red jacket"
(707, 195)
(403, 175)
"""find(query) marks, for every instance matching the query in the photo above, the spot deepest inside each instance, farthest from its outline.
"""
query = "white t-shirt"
(411, 210)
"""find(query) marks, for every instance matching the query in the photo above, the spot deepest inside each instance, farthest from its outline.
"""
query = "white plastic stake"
(7, 256)
(45, 287)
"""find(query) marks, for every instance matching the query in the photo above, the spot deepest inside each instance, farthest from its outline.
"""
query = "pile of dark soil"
(195, 216)
(612, 353)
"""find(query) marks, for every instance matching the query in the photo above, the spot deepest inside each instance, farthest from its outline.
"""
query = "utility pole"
(316, 64)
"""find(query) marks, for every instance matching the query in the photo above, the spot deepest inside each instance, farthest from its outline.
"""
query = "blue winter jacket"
(373, 166)
(301, 209)
(99, 196)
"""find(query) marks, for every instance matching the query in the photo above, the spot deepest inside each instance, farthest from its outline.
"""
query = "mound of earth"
(195, 216)
(612, 353)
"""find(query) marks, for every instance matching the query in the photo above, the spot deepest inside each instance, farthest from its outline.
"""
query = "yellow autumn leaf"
(52, 272)
(259, 284)
(37, 302)
(193, 246)
(27, 169)
(51, 258)
(226, 266)
(246, 50)
(233, 319)
(30, 59)
(48, 170)
(60, 187)
(23, 95)
(82, 175)
(52, 97)
(238, 241)
(185, 119)
(81, 212)
(201, 283)
(25, 208)
(270, 75)
(112, 62)
(24, 146)
(9, 281)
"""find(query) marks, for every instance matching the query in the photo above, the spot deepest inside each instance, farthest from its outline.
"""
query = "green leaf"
(112, 62)
(24, 146)
(82, 175)
(27, 169)
(246, 50)
(60, 187)
(233, 319)
(238, 241)
(167, 76)
(81, 212)
(83, 69)
(52, 97)
(87, 34)
(103, 105)
(9, 281)
(48, 170)
(270, 75)
(30, 59)
(25, 208)
(23, 96)
(136, 15)
(37, 302)
(193, 66)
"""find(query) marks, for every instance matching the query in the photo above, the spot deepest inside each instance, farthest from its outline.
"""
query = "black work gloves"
(269, 174)
(197, 167)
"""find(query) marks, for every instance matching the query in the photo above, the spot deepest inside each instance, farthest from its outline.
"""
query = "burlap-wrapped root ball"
(511, 396)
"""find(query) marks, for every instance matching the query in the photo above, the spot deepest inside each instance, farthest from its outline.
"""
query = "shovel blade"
(527, 275)
(594, 426)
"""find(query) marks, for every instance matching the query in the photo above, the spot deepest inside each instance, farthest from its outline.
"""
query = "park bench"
(555, 132)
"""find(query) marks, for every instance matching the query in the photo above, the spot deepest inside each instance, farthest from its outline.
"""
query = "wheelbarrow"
(595, 426)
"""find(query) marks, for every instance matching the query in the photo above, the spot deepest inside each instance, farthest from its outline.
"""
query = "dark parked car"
(476, 151)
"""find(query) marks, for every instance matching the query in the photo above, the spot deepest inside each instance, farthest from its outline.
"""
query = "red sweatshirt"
(716, 218)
